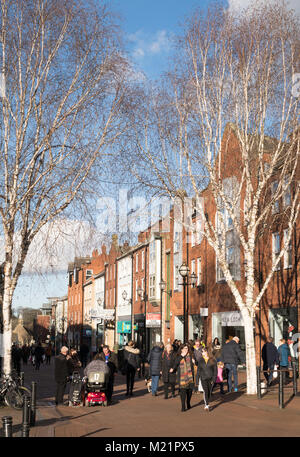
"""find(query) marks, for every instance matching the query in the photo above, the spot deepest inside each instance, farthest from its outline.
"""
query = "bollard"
(294, 378)
(280, 391)
(22, 378)
(26, 417)
(258, 383)
(33, 404)
(7, 426)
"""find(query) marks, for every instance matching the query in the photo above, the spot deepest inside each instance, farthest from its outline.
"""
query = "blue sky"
(149, 27)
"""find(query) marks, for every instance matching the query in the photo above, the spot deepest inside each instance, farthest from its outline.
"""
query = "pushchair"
(76, 390)
(96, 388)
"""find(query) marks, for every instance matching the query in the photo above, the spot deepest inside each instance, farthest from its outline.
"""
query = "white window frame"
(152, 286)
(287, 196)
(199, 271)
(288, 255)
(275, 253)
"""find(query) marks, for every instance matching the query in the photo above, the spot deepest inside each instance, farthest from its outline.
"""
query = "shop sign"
(153, 320)
(232, 319)
(124, 327)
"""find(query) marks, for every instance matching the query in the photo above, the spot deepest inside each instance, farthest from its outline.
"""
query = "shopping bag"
(200, 388)
(275, 372)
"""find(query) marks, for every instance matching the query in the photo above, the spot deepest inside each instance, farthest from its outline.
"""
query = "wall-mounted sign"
(153, 320)
(232, 319)
(203, 312)
(124, 327)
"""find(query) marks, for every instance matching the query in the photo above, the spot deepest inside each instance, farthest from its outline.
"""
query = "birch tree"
(226, 118)
(62, 102)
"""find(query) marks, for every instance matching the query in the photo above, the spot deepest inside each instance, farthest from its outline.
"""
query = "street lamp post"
(129, 300)
(184, 272)
(163, 286)
(144, 297)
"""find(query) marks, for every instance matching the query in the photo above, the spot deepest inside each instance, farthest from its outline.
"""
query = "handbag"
(275, 372)
(200, 388)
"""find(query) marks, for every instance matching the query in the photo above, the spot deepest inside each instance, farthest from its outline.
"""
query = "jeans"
(130, 374)
(268, 376)
(231, 369)
(154, 383)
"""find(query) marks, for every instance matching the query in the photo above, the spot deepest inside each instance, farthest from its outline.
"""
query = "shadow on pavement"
(93, 433)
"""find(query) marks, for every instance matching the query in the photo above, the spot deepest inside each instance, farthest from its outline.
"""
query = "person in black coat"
(73, 361)
(61, 374)
(154, 359)
(270, 357)
(132, 363)
(207, 372)
(184, 367)
(169, 379)
(38, 353)
(231, 355)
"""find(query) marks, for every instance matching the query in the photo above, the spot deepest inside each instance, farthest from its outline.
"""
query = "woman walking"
(132, 362)
(169, 379)
(184, 366)
(207, 368)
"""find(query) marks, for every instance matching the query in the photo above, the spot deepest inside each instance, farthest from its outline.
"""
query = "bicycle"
(11, 393)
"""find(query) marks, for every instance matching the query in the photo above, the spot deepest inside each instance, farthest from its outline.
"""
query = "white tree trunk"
(7, 331)
(250, 354)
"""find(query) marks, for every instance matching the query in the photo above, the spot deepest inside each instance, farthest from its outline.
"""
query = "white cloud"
(146, 45)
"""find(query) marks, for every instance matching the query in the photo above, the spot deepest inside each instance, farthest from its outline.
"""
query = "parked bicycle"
(12, 393)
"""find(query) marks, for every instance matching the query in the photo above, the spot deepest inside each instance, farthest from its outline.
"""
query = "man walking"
(270, 357)
(284, 354)
(155, 361)
(197, 352)
(231, 355)
(61, 373)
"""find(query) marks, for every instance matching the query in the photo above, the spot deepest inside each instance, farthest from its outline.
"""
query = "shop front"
(153, 326)
(139, 331)
(227, 325)
(124, 331)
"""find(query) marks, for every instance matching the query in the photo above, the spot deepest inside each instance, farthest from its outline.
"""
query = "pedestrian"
(38, 353)
(16, 354)
(184, 367)
(48, 354)
(219, 379)
(25, 353)
(197, 354)
(169, 379)
(61, 374)
(208, 371)
(216, 349)
(231, 355)
(73, 361)
(84, 351)
(111, 359)
(270, 357)
(175, 346)
(154, 359)
(284, 354)
(132, 364)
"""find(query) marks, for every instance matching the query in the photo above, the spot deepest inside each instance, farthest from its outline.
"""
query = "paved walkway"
(232, 415)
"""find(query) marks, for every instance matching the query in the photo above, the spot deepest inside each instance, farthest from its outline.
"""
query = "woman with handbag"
(184, 366)
(169, 379)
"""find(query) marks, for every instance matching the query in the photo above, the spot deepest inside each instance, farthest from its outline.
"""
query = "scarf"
(186, 375)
